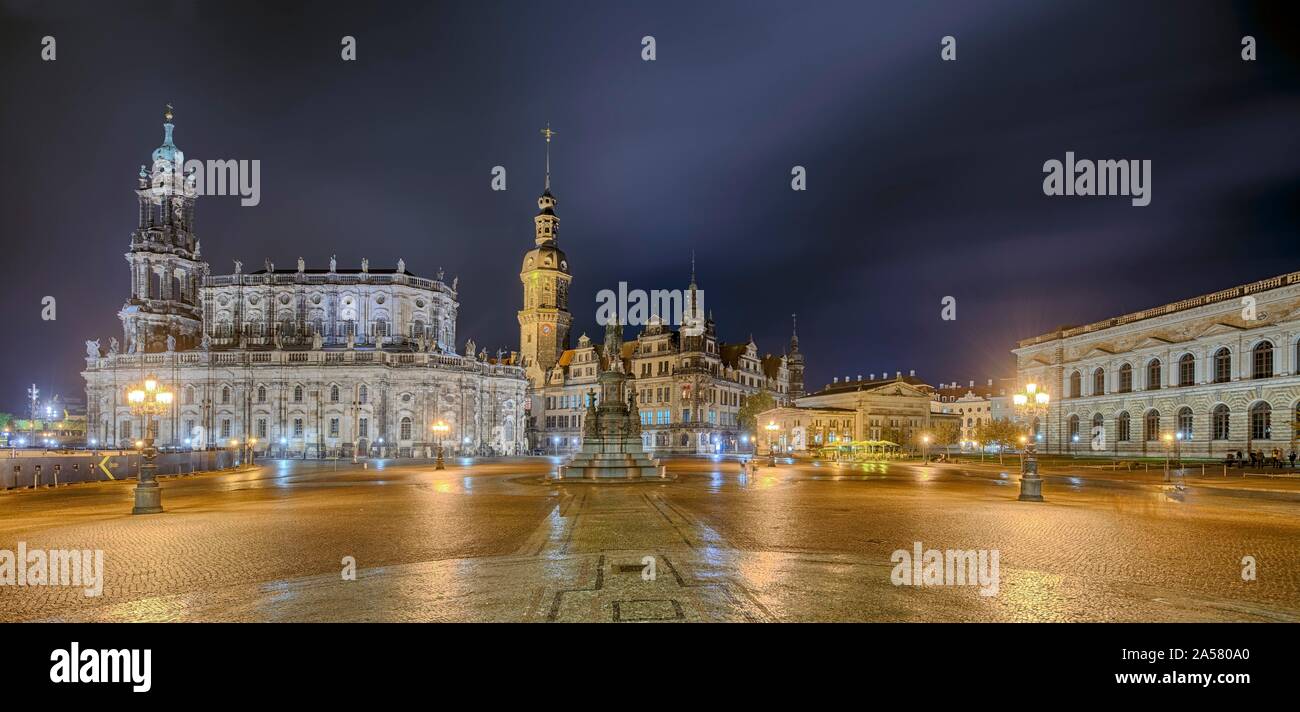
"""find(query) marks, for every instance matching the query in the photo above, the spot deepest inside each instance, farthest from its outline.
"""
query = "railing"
(1220, 296)
(161, 361)
(350, 278)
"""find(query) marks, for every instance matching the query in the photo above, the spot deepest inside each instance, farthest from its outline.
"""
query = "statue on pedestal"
(92, 349)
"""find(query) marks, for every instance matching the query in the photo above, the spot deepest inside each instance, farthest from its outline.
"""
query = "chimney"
(898, 374)
(990, 381)
(912, 373)
(835, 379)
(972, 384)
(859, 376)
(873, 377)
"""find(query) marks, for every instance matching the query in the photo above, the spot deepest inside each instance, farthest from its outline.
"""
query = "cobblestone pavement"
(496, 541)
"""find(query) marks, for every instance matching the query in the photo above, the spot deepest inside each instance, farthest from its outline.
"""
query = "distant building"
(1217, 373)
(690, 387)
(306, 362)
(973, 406)
(894, 409)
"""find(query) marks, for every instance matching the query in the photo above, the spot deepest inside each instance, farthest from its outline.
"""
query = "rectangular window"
(261, 428)
(297, 427)
(189, 429)
(126, 430)
(364, 428)
(334, 427)
(225, 427)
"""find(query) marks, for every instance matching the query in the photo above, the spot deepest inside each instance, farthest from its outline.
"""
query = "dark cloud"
(924, 177)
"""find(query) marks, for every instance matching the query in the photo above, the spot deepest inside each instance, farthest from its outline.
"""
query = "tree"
(945, 433)
(747, 415)
(1000, 432)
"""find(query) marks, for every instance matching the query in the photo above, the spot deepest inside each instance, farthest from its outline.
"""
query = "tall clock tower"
(544, 321)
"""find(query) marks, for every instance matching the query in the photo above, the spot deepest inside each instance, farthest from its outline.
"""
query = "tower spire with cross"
(548, 133)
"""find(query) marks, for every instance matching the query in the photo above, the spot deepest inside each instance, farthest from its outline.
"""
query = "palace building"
(690, 386)
(302, 362)
(1216, 373)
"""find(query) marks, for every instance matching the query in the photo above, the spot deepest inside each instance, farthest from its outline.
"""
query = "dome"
(168, 151)
(546, 256)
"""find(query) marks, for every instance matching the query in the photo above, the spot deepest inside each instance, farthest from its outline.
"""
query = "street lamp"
(925, 445)
(771, 429)
(441, 429)
(148, 399)
(1030, 404)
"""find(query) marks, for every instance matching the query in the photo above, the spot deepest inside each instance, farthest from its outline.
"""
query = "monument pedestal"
(611, 433)
(611, 458)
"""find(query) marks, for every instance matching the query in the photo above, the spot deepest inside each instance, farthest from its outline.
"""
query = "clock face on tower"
(546, 329)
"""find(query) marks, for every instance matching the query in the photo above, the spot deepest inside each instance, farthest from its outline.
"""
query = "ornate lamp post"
(148, 399)
(440, 429)
(1030, 404)
(771, 429)
(925, 445)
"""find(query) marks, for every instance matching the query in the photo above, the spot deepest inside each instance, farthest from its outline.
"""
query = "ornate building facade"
(1217, 373)
(690, 386)
(305, 362)
(895, 409)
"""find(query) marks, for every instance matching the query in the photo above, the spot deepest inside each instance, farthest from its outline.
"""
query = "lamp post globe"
(147, 399)
(440, 431)
(1030, 404)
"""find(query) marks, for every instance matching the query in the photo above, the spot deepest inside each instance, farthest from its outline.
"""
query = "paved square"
(495, 541)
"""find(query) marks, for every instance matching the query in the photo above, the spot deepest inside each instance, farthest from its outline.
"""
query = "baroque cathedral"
(296, 362)
(689, 385)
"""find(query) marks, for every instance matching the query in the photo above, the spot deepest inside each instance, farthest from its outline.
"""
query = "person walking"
(1291, 456)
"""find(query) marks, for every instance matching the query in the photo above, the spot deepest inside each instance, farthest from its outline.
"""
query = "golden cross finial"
(547, 132)
(168, 113)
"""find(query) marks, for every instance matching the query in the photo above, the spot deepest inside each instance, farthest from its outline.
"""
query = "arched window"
(1222, 365)
(1261, 425)
(297, 394)
(1037, 428)
(1262, 360)
(1187, 370)
(1153, 374)
(1098, 428)
(1099, 382)
(1185, 423)
(261, 394)
(1125, 427)
(1219, 422)
(225, 394)
(1076, 385)
(362, 395)
(188, 397)
(334, 394)
(406, 428)
(1125, 378)
(1074, 428)
(1151, 426)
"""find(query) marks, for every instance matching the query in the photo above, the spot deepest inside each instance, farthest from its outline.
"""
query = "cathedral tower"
(166, 268)
(795, 361)
(544, 321)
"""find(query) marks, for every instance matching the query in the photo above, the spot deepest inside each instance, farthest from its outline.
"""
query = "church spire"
(547, 224)
(548, 133)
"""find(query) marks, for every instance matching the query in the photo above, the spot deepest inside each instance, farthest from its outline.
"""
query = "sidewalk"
(1279, 481)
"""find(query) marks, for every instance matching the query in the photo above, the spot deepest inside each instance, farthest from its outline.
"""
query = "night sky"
(924, 176)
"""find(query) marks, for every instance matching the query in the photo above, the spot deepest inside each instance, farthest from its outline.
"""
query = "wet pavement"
(494, 540)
